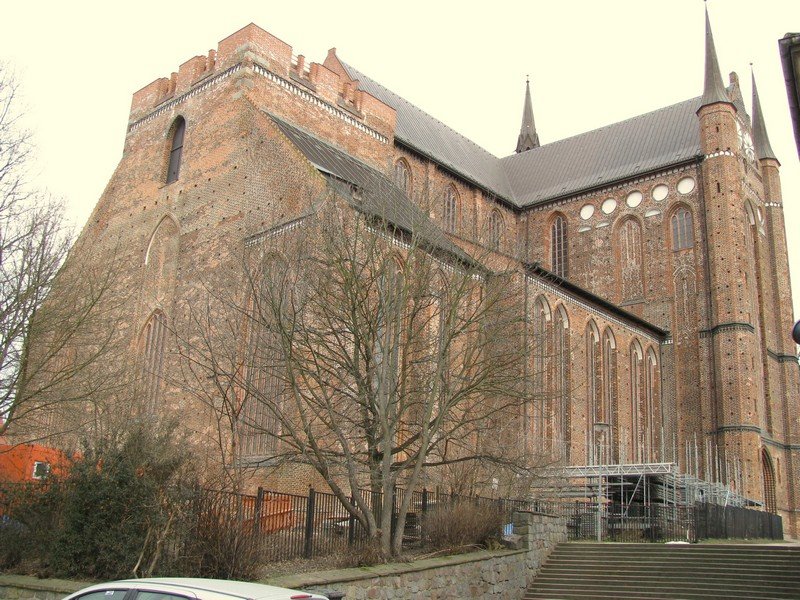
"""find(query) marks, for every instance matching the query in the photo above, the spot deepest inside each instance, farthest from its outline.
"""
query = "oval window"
(634, 199)
(608, 206)
(686, 185)
(587, 211)
(660, 192)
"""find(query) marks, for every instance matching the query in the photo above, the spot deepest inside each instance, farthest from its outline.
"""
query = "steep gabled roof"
(375, 195)
(643, 144)
(430, 137)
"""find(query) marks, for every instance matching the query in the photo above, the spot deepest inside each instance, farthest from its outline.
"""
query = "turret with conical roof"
(713, 88)
(737, 408)
(761, 144)
(528, 138)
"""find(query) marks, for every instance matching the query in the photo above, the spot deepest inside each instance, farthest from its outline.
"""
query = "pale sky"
(591, 63)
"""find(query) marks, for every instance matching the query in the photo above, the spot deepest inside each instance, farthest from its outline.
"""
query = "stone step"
(660, 595)
(581, 571)
(665, 583)
(711, 573)
(574, 589)
(679, 559)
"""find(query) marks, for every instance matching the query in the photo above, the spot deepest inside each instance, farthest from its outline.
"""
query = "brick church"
(685, 359)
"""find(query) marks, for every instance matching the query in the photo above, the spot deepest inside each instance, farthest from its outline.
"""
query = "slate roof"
(430, 137)
(376, 195)
(643, 144)
(626, 149)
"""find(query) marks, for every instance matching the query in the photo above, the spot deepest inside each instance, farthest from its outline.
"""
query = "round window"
(660, 192)
(634, 199)
(686, 185)
(587, 211)
(608, 206)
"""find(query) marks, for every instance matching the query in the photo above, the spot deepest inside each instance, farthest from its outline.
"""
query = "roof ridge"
(603, 127)
(353, 71)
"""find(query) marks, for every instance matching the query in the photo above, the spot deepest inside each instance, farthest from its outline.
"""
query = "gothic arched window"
(263, 383)
(653, 407)
(640, 421)
(152, 348)
(594, 378)
(495, 230)
(609, 412)
(630, 260)
(561, 391)
(682, 231)
(768, 472)
(450, 210)
(540, 353)
(558, 246)
(161, 262)
(176, 150)
(402, 176)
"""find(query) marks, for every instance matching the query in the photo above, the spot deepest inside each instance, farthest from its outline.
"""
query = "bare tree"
(49, 325)
(375, 356)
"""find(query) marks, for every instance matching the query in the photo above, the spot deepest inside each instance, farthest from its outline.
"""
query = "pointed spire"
(760, 137)
(713, 88)
(528, 138)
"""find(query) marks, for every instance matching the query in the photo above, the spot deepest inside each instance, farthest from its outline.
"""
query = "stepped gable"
(430, 137)
(633, 147)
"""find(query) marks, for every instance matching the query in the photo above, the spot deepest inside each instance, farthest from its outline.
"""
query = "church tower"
(782, 427)
(732, 329)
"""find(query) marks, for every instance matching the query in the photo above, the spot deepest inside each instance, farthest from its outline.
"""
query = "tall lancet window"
(402, 176)
(609, 410)
(630, 258)
(561, 354)
(152, 348)
(682, 233)
(176, 151)
(495, 230)
(639, 411)
(653, 405)
(450, 210)
(558, 246)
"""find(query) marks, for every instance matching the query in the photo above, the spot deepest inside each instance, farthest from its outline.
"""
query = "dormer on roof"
(528, 138)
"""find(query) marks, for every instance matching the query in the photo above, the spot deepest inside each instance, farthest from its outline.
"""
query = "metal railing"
(287, 526)
(636, 522)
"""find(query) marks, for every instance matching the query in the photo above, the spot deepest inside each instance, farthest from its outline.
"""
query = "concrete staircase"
(664, 571)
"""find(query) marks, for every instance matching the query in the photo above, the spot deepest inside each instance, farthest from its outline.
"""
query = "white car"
(175, 588)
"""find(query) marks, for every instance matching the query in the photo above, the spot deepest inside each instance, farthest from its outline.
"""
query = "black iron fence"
(637, 522)
(715, 521)
(281, 526)
(290, 526)
(626, 522)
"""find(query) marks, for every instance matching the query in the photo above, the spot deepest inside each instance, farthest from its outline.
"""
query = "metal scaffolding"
(626, 483)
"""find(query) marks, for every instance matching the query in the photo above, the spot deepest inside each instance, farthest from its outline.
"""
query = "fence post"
(257, 510)
(393, 520)
(351, 523)
(308, 549)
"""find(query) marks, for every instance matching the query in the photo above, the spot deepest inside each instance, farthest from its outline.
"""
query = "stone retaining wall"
(19, 587)
(479, 575)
